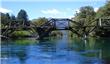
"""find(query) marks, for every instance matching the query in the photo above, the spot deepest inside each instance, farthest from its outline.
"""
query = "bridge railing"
(104, 22)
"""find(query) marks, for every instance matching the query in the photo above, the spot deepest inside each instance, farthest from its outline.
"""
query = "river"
(62, 50)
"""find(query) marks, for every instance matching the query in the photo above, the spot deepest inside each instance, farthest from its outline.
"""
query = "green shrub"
(21, 33)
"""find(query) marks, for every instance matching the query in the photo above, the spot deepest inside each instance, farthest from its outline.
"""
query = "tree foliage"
(22, 15)
(104, 11)
(85, 18)
(13, 17)
(5, 19)
(40, 21)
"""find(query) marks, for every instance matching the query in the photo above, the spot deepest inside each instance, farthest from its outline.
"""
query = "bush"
(21, 33)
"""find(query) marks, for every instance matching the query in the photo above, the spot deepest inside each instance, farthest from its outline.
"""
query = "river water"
(62, 50)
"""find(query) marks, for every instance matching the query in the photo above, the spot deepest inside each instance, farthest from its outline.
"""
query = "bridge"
(58, 24)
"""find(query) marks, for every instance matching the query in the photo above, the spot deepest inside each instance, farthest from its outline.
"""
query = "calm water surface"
(56, 51)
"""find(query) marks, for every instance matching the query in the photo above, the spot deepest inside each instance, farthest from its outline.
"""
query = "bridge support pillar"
(43, 32)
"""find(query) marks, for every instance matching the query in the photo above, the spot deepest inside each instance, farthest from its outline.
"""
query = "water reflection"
(56, 51)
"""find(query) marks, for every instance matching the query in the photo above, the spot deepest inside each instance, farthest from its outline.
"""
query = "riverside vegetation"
(86, 12)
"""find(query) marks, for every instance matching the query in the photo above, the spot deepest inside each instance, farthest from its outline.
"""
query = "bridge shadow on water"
(63, 50)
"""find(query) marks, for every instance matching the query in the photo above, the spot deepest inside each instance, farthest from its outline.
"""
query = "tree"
(85, 18)
(40, 21)
(13, 17)
(5, 19)
(104, 11)
(2, 18)
(86, 13)
(22, 17)
(7, 16)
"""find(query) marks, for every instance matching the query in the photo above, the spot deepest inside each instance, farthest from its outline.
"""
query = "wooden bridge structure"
(57, 24)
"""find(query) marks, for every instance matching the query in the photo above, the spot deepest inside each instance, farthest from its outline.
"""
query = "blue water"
(62, 50)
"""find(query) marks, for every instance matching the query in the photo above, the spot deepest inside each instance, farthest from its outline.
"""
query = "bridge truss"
(57, 24)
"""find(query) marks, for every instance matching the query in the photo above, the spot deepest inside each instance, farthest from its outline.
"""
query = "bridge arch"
(52, 24)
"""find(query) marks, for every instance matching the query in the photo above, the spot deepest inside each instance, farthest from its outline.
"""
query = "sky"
(48, 8)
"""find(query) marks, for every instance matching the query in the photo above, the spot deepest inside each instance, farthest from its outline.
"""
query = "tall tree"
(22, 16)
(86, 13)
(104, 11)
(13, 17)
(85, 18)
(2, 16)
(5, 18)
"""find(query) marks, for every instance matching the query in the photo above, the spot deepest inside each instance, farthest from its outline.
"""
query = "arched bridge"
(44, 30)
(56, 24)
